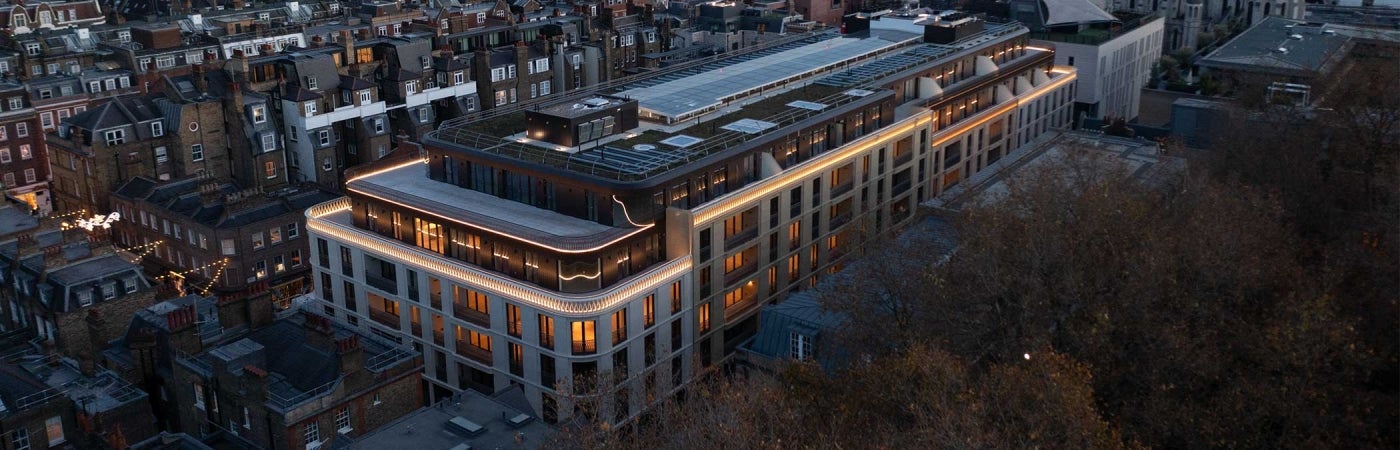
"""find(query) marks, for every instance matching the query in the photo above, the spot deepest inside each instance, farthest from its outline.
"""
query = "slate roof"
(121, 111)
(354, 84)
(182, 197)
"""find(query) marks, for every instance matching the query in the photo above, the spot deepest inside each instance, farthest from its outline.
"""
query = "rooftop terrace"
(731, 101)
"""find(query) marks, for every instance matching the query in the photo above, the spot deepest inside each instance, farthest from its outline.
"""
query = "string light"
(190, 271)
(217, 273)
(138, 247)
(149, 248)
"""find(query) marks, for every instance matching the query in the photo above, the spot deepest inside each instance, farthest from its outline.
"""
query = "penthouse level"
(503, 252)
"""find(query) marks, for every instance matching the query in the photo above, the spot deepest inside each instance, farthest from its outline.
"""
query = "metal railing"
(288, 403)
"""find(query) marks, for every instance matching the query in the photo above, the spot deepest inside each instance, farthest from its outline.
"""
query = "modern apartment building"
(629, 237)
(1114, 61)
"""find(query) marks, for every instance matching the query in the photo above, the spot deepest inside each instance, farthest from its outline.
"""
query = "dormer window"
(310, 108)
(157, 130)
(269, 142)
(801, 347)
(264, 16)
(22, 21)
(124, 36)
(16, 103)
(458, 77)
(84, 299)
(411, 86)
(114, 137)
(129, 284)
(109, 290)
(311, 83)
(259, 114)
(480, 18)
(45, 18)
(427, 61)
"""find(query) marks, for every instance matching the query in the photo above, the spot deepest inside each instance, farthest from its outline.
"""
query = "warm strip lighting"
(629, 216)
(559, 303)
(496, 232)
(724, 206)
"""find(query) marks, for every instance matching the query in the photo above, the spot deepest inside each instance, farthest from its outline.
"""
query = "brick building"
(51, 403)
(296, 383)
(24, 166)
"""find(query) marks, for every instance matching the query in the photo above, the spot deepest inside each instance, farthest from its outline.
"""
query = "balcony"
(438, 337)
(740, 273)
(478, 354)
(417, 328)
(471, 315)
(840, 219)
(385, 318)
(740, 238)
(435, 301)
(382, 283)
(842, 188)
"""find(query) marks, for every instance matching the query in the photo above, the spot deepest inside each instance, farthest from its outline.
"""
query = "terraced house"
(628, 237)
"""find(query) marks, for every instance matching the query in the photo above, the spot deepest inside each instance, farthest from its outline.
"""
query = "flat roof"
(407, 184)
(429, 429)
(582, 106)
(1258, 48)
(682, 97)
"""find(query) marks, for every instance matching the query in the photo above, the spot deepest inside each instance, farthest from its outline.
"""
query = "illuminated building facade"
(641, 256)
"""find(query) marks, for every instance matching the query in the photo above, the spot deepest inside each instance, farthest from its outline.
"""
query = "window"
(247, 423)
(296, 258)
(20, 438)
(801, 346)
(411, 87)
(21, 129)
(649, 311)
(161, 155)
(269, 142)
(29, 176)
(311, 434)
(292, 134)
(24, 152)
(227, 246)
(54, 428)
(85, 298)
(342, 420)
(114, 137)
(259, 114)
(46, 120)
(157, 129)
(675, 297)
(275, 235)
(703, 314)
(501, 98)
(31, 48)
(366, 97)
(270, 169)
(163, 62)
(513, 320)
(324, 137)
(459, 77)
(619, 323)
(546, 331)
(311, 83)
(310, 108)
(5, 155)
(258, 241)
(584, 339)
(197, 152)
(293, 231)
(260, 269)
(544, 87)
(109, 291)
(378, 125)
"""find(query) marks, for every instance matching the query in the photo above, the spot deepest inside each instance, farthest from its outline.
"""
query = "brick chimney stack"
(53, 257)
(352, 362)
(180, 319)
(320, 333)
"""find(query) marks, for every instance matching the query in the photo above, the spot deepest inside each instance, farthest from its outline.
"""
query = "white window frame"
(259, 114)
(157, 129)
(49, 426)
(269, 142)
(30, 176)
(21, 129)
(459, 77)
(343, 423)
(309, 108)
(311, 433)
(366, 97)
(323, 137)
(197, 152)
(801, 347)
(114, 137)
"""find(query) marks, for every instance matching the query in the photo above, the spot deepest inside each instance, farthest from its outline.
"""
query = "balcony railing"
(471, 315)
(840, 219)
(381, 283)
(417, 328)
(466, 349)
(385, 318)
(435, 301)
(740, 273)
(740, 238)
(842, 188)
(438, 337)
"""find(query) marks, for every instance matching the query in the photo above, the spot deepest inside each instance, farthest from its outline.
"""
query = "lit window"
(584, 339)
(259, 114)
(270, 169)
(24, 152)
(54, 428)
(258, 241)
(619, 324)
